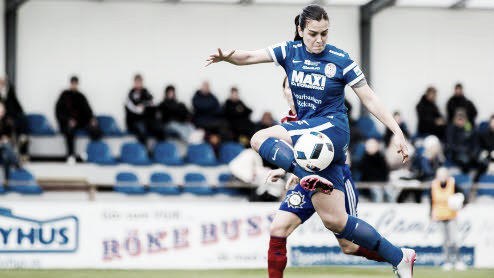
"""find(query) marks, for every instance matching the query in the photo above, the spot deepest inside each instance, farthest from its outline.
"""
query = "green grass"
(295, 272)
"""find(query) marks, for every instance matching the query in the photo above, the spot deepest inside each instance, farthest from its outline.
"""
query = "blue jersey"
(317, 81)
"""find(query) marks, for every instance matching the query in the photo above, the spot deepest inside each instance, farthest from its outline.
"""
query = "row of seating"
(38, 124)
(162, 183)
(165, 153)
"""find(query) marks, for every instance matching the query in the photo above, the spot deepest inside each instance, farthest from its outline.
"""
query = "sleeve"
(351, 72)
(278, 53)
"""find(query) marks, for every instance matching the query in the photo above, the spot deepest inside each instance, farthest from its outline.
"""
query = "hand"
(72, 123)
(215, 58)
(440, 121)
(401, 144)
(275, 175)
(291, 181)
(93, 122)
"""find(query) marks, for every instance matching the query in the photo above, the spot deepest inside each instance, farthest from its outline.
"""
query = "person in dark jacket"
(73, 112)
(457, 101)
(486, 147)
(8, 157)
(238, 116)
(139, 114)
(460, 142)
(401, 123)
(174, 116)
(16, 114)
(430, 120)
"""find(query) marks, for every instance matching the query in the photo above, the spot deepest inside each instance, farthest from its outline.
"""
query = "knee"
(257, 140)
(349, 249)
(280, 229)
(334, 223)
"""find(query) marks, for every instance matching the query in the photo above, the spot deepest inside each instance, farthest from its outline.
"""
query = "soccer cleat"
(316, 183)
(460, 266)
(405, 268)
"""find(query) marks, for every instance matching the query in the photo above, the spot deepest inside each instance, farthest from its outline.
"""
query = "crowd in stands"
(453, 139)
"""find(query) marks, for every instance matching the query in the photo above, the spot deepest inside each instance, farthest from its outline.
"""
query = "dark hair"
(458, 85)
(284, 80)
(137, 77)
(233, 89)
(74, 79)
(169, 88)
(311, 12)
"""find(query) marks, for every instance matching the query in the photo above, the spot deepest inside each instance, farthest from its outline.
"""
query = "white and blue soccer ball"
(314, 151)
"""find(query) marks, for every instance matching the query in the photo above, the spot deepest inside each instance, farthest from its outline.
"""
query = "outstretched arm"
(241, 57)
(374, 105)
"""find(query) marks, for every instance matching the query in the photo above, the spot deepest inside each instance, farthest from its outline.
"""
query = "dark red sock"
(369, 254)
(276, 257)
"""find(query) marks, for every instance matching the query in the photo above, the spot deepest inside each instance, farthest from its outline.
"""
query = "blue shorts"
(298, 200)
(336, 128)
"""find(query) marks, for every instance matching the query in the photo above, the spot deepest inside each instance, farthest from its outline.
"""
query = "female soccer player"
(297, 207)
(318, 73)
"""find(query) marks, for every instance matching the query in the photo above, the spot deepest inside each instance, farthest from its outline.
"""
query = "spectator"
(267, 120)
(207, 110)
(428, 160)
(8, 158)
(457, 101)
(174, 116)
(460, 141)
(430, 120)
(486, 146)
(401, 123)
(139, 112)
(446, 199)
(238, 116)
(16, 114)
(356, 135)
(73, 112)
(373, 166)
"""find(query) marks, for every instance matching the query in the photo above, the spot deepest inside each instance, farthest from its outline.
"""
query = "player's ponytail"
(297, 36)
(311, 12)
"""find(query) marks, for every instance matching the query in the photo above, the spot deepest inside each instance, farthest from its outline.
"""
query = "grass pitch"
(294, 272)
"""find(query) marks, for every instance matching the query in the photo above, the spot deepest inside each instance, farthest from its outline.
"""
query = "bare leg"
(276, 131)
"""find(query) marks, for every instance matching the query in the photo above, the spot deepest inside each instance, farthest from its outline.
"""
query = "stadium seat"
(162, 183)
(228, 151)
(201, 154)
(98, 152)
(196, 183)
(223, 179)
(108, 126)
(167, 153)
(357, 152)
(486, 180)
(2, 189)
(39, 125)
(135, 154)
(368, 128)
(464, 182)
(484, 125)
(22, 181)
(128, 183)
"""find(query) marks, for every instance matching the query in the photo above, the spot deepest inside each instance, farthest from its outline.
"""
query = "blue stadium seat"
(223, 179)
(167, 154)
(196, 183)
(22, 181)
(368, 128)
(228, 151)
(39, 125)
(484, 125)
(134, 153)
(108, 126)
(162, 183)
(464, 182)
(2, 189)
(357, 152)
(487, 180)
(98, 152)
(201, 154)
(128, 183)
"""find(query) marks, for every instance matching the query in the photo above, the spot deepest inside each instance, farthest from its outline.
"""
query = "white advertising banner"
(211, 234)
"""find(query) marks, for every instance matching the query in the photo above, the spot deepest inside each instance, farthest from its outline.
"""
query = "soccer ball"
(455, 201)
(314, 151)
